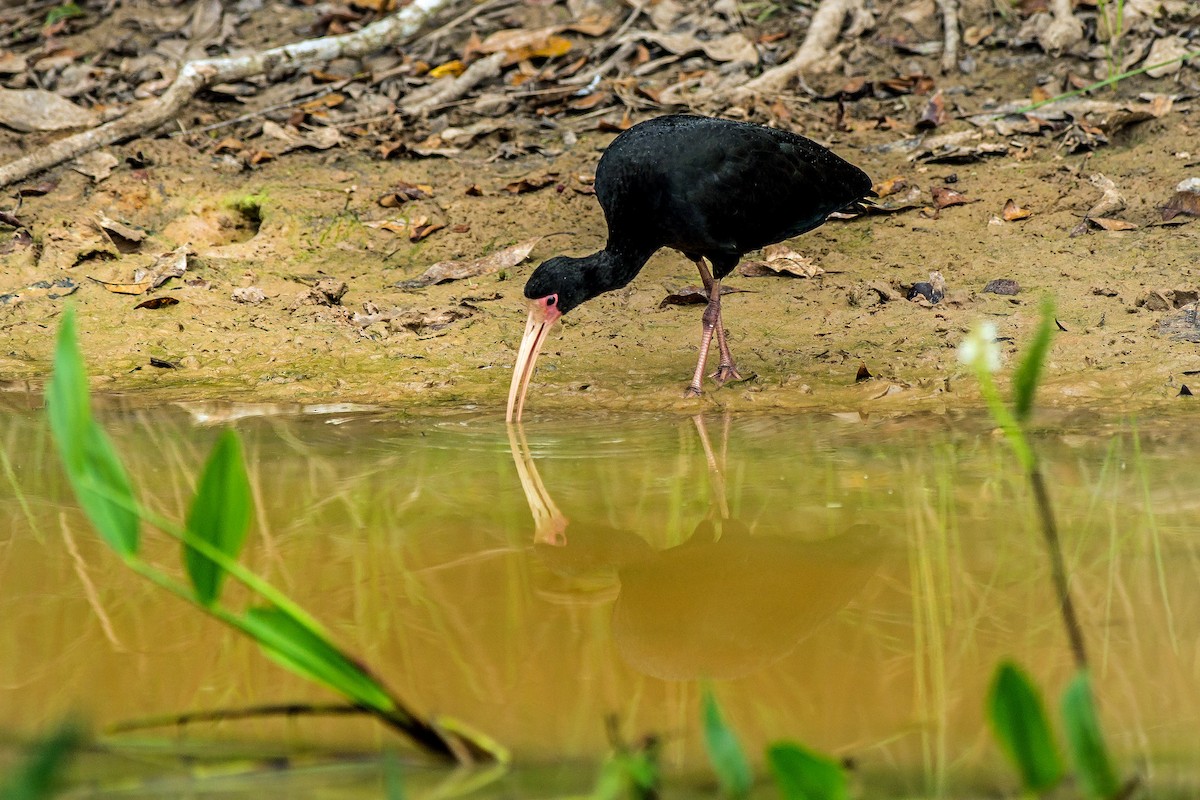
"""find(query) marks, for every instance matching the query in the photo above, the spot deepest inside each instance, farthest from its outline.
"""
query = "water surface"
(848, 583)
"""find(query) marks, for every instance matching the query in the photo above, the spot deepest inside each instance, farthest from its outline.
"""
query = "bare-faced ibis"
(712, 189)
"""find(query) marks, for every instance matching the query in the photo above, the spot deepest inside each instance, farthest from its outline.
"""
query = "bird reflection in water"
(730, 600)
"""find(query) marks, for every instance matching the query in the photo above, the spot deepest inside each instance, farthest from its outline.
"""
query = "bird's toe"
(724, 374)
(692, 391)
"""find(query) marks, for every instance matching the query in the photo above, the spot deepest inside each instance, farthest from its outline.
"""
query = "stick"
(949, 35)
(822, 33)
(446, 91)
(198, 74)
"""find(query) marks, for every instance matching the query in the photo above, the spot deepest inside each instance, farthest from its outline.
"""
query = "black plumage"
(714, 190)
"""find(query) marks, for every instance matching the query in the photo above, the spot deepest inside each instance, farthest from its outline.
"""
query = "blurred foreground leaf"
(309, 655)
(801, 774)
(220, 515)
(1019, 721)
(1085, 742)
(1029, 372)
(39, 775)
(724, 751)
(92, 466)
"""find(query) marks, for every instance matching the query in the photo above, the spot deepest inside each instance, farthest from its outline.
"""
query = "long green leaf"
(724, 751)
(299, 649)
(92, 466)
(220, 515)
(1085, 742)
(1019, 721)
(39, 776)
(1025, 381)
(802, 774)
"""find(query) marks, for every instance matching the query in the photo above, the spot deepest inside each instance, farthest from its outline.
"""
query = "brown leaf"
(394, 225)
(1186, 203)
(126, 232)
(890, 186)
(944, 197)
(97, 164)
(531, 184)
(137, 287)
(1013, 212)
(38, 189)
(898, 202)
(158, 302)
(29, 110)
(10, 219)
(863, 374)
(402, 192)
(474, 191)
(779, 259)
(444, 271)
(694, 296)
(162, 363)
(1110, 224)
(934, 113)
(422, 229)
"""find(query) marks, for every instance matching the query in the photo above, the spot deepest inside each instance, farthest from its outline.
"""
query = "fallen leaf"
(450, 69)
(162, 363)
(890, 186)
(38, 189)
(934, 113)
(402, 192)
(29, 110)
(1110, 224)
(397, 226)
(1013, 212)
(531, 184)
(158, 302)
(136, 287)
(123, 231)
(779, 259)
(910, 199)
(421, 228)
(97, 165)
(10, 219)
(944, 197)
(1183, 202)
(251, 295)
(728, 48)
(863, 374)
(1111, 202)
(167, 266)
(444, 271)
(694, 296)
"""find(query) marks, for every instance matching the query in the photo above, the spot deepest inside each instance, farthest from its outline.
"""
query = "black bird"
(710, 188)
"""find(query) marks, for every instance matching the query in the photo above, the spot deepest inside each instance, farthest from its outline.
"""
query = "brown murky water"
(850, 584)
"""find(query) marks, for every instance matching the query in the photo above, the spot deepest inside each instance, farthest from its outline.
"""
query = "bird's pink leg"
(726, 371)
(712, 313)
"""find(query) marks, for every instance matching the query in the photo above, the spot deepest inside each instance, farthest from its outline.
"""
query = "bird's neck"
(619, 263)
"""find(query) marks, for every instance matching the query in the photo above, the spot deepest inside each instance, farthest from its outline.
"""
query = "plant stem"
(1058, 567)
(1100, 84)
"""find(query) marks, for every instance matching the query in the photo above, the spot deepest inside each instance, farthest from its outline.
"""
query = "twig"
(319, 92)
(949, 35)
(822, 33)
(198, 74)
(447, 91)
(623, 52)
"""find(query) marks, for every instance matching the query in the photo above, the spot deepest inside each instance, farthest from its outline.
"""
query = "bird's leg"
(726, 371)
(712, 312)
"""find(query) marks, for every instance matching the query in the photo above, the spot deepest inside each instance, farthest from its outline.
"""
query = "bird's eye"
(551, 300)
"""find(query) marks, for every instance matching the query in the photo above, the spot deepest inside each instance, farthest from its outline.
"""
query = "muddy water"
(849, 583)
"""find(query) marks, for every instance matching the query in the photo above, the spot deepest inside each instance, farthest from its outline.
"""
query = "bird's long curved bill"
(531, 344)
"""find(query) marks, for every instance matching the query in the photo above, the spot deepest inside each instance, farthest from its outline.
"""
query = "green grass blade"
(91, 464)
(802, 774)
(1019, 721)
(1028, 374)
(38, 776)
(220, 515)
(724, 751)
(299, 649)
(1085, 742)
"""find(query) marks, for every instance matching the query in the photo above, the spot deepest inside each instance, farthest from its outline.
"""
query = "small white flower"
(980, 350)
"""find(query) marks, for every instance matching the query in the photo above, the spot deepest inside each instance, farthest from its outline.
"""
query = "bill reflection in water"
(727, 602)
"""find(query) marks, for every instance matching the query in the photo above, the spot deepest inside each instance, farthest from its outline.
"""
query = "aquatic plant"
(212, 538)
(1014, 706)
(40, 774)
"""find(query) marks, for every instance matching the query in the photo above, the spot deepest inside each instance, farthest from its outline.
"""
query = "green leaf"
(92, 466)
(1085, 742)
(220, 515)
(308, 654)
(1025, 380)
(728, 760)
(39, 775)
(64, 11)
(1019, 721)
(802, 774)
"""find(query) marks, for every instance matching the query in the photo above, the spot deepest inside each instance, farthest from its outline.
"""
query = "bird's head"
(554, 288)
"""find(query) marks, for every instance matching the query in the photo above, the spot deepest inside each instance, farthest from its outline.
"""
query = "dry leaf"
(421, 228)
(38, 189)
(890, 186)
(694, 296)
(158, 302)
(444, 271)
(934, 113)
(394, 225)
(1109, 224)
(451, 69)
(944, 197)
(779, 259)
(97, 164)
(29, 110)
(531, 184)
(1184, 202)
(126, 232)
(402, 192)
(1013, 212)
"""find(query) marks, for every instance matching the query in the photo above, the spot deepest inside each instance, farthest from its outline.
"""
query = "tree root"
(201, 73)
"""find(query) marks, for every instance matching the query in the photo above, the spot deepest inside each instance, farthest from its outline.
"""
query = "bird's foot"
(692, 391)
(726, 373)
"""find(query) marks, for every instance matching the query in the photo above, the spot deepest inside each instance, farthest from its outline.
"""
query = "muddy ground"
(451, 346)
